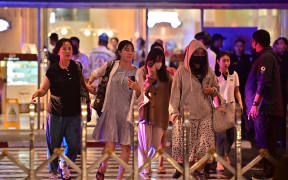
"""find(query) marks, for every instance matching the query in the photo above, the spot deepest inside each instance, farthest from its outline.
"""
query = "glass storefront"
(175, 27)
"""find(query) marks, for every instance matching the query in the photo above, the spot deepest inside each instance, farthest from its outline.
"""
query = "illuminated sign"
(155, 17)
(4, 25)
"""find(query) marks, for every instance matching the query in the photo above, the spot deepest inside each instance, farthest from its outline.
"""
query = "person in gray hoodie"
(194, 87)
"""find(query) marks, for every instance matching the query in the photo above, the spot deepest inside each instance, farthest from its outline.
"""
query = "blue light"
(4, 25)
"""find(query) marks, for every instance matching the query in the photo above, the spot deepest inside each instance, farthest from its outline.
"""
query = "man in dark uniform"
(263, 96)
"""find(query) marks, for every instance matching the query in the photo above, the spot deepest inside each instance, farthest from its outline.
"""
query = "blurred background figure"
(206, 39)
(170, 45)
(80, 57)
(281, 45)
(140, 53)
(241, 63)
(217, 43)
(52, 55)
(101, 54)
(114, 44)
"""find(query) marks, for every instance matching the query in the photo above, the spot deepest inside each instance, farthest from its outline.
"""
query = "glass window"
(175, 27)
(262, 18)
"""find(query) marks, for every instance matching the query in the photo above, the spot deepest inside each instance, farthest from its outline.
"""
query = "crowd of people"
(257, 82)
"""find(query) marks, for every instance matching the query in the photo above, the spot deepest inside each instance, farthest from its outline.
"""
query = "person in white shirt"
(205, 38)
(80, 57)
(229, 89)
(102, 54)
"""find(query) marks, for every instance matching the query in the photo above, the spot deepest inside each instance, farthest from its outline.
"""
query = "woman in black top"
(63, 80)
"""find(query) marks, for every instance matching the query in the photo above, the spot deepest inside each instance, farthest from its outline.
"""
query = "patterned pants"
(201, 139)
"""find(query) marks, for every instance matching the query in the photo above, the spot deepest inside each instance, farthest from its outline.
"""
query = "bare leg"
(163, 147)
(108, 147)
(125, 154)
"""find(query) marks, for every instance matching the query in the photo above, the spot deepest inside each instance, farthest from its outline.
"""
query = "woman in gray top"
(193, 89)
(114, 125)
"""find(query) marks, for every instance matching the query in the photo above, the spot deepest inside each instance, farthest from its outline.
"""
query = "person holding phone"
(114, 125)
(155, 83)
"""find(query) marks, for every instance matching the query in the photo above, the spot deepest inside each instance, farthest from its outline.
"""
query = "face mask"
(196, 60)
(158, 65)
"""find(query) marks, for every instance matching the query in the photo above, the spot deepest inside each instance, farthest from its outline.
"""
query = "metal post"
(238, 143)
(84, 138)
(202, 19)
(185, 120)
(39, 61)
(32, 140)
(147, 32)
(135, 143)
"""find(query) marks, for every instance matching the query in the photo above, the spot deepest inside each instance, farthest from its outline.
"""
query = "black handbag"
(84, 92)
(101, 90)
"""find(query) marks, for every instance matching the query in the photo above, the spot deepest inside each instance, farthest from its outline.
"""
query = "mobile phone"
(132, 78)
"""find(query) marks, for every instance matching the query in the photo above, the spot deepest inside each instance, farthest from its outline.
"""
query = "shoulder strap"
(109, 67)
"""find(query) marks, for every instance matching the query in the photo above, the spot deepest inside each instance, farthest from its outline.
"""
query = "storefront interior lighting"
(87, 32)
(64, 31)
(4, 25)
(155, 17)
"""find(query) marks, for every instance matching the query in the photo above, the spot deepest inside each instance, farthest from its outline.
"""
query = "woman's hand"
(173, 118)
(34, 95)
(133, 85)
(91, 88)
(208, 90)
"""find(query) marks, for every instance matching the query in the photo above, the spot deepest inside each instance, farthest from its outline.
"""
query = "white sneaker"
(65, 171)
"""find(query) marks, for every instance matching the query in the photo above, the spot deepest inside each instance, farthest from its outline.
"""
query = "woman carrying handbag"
(229, 89)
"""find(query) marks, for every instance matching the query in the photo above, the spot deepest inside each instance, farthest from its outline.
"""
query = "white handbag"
(223, 120)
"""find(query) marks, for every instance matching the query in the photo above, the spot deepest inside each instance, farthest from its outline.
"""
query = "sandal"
(99, 176)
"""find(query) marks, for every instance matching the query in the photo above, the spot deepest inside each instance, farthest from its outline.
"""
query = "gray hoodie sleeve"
(176, 93)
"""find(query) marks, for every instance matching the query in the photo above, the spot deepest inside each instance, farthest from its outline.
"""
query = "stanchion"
(135, 142)
(32, 175)
(83, 143)
(185, 121)
(238, 144)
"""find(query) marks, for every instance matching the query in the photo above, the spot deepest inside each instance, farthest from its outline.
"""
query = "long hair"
(152, 56)
(121, 46)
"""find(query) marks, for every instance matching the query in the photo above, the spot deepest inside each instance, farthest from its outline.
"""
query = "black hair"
(73, 38)
(239, 40)
(262, 37)
(115, 38)
(141, 42)
(152, 56)
(282, 38)
(155, 44)
(219, 56)
(54, 36)
(60, 43)
(122, 45)
(205, 37)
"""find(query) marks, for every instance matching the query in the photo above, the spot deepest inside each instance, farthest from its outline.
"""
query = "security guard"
(263, 96)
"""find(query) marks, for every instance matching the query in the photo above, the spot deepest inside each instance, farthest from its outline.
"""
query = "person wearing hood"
(193, 88)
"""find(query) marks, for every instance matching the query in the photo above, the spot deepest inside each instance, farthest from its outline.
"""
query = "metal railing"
(134, 171)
